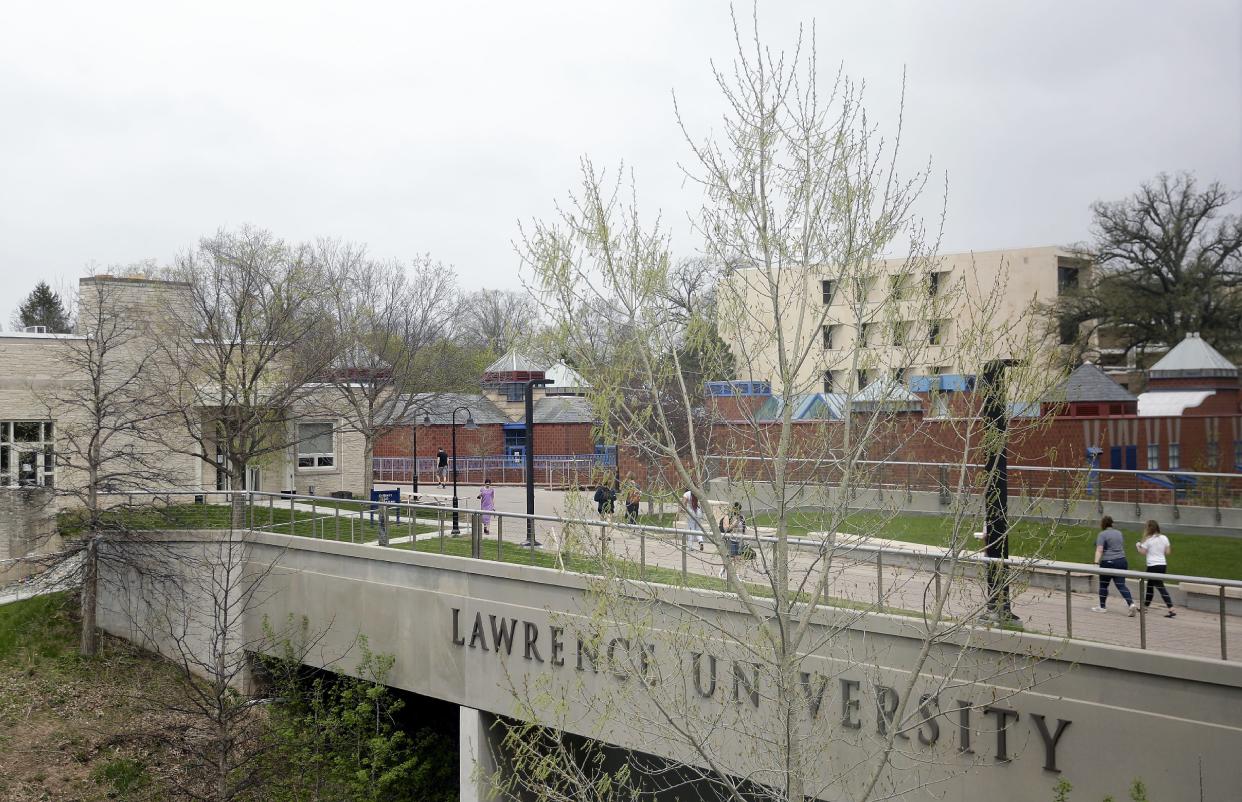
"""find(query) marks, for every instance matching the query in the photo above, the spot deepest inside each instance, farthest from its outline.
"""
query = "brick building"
(1188, 420)
(563, 425)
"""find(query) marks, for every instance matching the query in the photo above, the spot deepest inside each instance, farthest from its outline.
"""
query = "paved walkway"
(1041, 610)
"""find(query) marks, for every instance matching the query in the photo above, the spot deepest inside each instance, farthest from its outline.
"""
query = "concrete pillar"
(475, 763)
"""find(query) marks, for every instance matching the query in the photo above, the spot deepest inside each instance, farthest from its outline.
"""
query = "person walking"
(1156, 548)
(487, 501)
(601, 499)
(733, 527)
(694, 517)
(633, 497)
(442, 466)
(1110, 552)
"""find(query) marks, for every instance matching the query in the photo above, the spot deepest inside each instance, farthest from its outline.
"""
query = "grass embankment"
(1196, 555)
(73, 728)
(348, 521)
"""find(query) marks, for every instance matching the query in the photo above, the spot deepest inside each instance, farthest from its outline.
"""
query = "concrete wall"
(1189, 520)
(438, 616)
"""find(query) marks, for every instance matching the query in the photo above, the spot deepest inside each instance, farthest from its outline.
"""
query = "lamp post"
(469, 424)
(531, 384)
(996, 488)
(426, 421)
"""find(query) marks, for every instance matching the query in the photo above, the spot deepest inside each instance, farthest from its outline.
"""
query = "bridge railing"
(1177, 488)
(464, 531)
(566, 470)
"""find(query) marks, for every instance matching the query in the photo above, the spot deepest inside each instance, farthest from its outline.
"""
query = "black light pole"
(531, 384)
(414, 452)
(996, 489)
(470, 424)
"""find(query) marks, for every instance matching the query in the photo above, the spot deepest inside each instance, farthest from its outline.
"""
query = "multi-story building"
(898, 319)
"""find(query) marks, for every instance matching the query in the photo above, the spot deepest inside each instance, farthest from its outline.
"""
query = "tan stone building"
(40, 432)
(912, 318)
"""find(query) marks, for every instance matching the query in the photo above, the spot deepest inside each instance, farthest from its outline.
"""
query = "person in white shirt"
(694, 517)
(1156, 547)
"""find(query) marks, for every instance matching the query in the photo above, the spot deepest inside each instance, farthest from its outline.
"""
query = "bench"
(1199, 596)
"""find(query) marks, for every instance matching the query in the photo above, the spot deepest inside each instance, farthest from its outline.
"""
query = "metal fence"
(1177, 488)
(555, 471)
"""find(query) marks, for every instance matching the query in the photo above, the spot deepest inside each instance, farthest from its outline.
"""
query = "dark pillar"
(996, 488)
(530, 455)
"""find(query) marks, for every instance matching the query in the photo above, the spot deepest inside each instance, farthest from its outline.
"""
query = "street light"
(469, 424)
(996, 490)
(426, 421)
(530, 457)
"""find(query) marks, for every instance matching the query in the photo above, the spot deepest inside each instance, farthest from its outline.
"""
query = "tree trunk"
(90, 583)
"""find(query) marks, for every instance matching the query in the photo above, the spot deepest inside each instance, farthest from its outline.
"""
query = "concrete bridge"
(999, 714)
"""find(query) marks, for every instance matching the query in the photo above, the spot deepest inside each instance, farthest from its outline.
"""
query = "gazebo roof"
(513, 362)
(1193, 357)
(1088, 383)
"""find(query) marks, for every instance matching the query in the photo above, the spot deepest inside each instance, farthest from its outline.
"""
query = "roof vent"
(35, 330)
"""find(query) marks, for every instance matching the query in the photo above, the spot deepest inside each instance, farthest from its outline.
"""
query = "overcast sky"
(128, 129)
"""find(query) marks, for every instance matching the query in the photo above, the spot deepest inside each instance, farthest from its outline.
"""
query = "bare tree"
(106, 414)
(252, 335)
(388, 322)
(801, 197)
(1163, 262)
(497, 320)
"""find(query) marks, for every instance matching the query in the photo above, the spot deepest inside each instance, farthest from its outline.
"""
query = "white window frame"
(1175, 456)
(44, 449)
(1153, 456)
(319, 460)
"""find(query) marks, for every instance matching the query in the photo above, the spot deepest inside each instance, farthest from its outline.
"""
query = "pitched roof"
(439, 408)
(1192, 358)
(1089, 383)
(807, 406)
(563, 409)
(513, 362)
(562, 375)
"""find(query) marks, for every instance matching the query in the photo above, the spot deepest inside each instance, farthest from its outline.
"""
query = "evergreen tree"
(42, 307)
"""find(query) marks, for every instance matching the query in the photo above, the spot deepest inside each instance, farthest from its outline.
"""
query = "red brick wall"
(487, 440)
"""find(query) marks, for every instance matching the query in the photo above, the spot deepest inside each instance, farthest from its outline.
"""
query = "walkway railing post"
(642, 553)
(1069, 605)
(440, 515)
(336, 521)
(1142, 614)
(1224, 648)
(879, 578)
(685, 547)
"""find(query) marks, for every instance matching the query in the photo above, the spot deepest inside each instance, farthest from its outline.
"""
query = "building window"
(863, 379)
(315, 445)
(1067, 279)
(515, 391)
(868, 338)
(1067, 330)
(862, 287)
(828, 384)
(1175, 456)
(937, 331)
(901, 332)
(1153, 456)
(1237, 456)
(27, 454)
(832, 337)
(828, 289)
(936, 282)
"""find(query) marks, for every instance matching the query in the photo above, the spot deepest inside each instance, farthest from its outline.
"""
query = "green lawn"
(346, 521)
(1197, 555)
